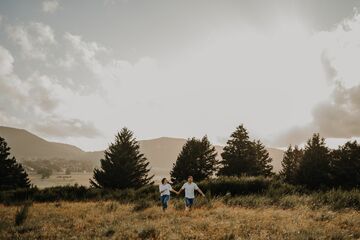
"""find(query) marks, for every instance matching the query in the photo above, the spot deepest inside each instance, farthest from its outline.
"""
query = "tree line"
(124, 166)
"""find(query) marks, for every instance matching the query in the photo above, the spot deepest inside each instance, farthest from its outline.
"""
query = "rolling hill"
(161, 152)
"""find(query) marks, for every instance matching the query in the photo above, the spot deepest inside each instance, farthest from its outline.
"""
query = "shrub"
(179, 205)
(149, 233)
(109, 232)
(111, 207)
(249, 201)
(236, 185)
(21, 214)
(338, 199)
(141, 205)
(228, 236)
(278, 189)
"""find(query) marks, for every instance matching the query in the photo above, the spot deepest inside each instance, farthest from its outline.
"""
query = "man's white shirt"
(167, 187)
(190, 189)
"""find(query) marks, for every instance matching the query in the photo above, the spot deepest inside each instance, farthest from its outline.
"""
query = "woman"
(165, 189)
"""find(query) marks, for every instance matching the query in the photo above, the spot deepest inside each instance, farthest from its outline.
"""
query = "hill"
(161, 152)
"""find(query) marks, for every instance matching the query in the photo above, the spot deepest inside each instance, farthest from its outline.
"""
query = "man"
(190, 188)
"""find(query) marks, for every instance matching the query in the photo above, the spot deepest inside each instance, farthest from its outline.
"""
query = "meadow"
(234, 208)
(60, 179)
(213, 219)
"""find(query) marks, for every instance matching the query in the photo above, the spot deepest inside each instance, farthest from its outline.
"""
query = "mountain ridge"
(161, 152)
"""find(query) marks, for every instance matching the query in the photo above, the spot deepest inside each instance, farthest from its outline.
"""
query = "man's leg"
(188, 203)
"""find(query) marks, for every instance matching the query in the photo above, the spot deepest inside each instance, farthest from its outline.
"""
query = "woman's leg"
(165, 203)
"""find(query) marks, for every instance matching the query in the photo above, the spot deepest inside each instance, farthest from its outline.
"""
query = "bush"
(111, 207)
(338, 199)
(235, 185)
(203, 202)
(278, 189)
(149, 233)
(178, 205)
(21, 214)
(249, 201)
(228, 236)
(141, 205)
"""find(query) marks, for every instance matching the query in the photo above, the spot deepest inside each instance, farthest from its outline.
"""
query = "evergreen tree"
(263, 160)
(123, 165)
(314, 169)
(345, 164)
(12, 174)
(290, 164)
(244, 157)
(197, 158)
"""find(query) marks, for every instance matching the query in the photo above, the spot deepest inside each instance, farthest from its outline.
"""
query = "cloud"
(36, 103)
(50, 6)
(34, 39)
(88, 51)
(339, 116)
(6, 62)
(57, 126)
(67, 62)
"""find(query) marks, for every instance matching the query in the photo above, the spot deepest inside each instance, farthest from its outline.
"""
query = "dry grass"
(110, 220)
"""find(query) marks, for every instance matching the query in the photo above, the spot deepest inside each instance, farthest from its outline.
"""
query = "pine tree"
(237, 155)
(345, 164)
(12, 174)
(314, 169)
(263, 160)
(123, 165)
(290, 164)
(244, 157)
(197, 158)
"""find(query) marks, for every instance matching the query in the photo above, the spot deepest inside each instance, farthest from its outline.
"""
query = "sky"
(77, 71)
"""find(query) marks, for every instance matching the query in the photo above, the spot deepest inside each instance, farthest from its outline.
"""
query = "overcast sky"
(77, 71)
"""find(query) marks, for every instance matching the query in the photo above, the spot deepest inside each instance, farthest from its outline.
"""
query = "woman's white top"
(167, 187)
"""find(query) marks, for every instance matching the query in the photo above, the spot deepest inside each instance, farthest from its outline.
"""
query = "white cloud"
(59, 127)
(50, 6)
(339, 115)
(87, 50)
(34, 39)
(67, 62)
(6, 62)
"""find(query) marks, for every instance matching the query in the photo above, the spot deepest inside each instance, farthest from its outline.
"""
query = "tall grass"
(21, 214)
(236, 191)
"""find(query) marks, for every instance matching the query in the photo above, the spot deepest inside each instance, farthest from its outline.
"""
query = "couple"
(189, 187)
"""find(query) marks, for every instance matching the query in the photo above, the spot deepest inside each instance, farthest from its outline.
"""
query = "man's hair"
(163, 180)
(190, 176)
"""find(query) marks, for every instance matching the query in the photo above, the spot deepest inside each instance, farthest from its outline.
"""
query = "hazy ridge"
(161, 152)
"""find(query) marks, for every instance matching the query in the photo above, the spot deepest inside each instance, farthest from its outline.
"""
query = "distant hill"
(161, 152)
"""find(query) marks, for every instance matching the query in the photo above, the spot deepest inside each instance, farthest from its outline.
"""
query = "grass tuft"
(149, 233)
(21, 214)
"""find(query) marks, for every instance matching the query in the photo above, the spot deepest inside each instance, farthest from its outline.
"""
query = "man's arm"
(181, 189)
(201, 192)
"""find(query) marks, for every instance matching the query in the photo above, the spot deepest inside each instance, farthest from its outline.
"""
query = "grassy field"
(61, 179)
(111, 220)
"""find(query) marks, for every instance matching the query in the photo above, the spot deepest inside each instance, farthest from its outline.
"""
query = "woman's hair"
(163, 180)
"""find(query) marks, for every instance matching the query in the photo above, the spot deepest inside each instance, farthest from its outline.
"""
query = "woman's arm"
(172, 190)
